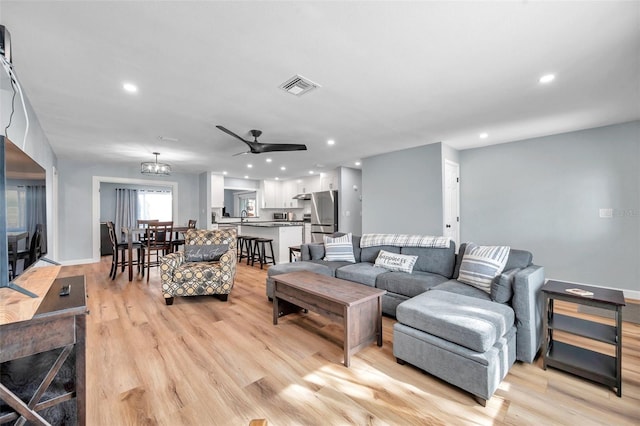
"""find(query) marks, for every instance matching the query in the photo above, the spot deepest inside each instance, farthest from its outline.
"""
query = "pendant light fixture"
(155, 168)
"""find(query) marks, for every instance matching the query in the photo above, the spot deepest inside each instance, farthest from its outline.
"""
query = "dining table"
(13, 239)
(132, 232)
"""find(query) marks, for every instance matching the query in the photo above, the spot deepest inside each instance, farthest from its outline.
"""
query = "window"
(155, 204)
(16, 208)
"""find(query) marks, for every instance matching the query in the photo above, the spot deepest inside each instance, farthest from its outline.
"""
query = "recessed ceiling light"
(249, 165)
(130, 87)
(357, 163)
(283, 168)
(331, 142)
(224, 173)
(547, 78)
(277, 178)
(311, 172)
(483, 135)
(246, 176)
(268, 160)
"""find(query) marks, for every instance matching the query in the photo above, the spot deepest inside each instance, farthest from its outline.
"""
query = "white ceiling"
(393, 74)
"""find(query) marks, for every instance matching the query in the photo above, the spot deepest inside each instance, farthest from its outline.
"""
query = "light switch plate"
(606, 213)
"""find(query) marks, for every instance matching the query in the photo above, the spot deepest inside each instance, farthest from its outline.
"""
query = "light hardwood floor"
(207, 362)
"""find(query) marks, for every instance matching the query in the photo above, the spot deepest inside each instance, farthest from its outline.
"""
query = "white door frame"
(446, 195)
(95, 203)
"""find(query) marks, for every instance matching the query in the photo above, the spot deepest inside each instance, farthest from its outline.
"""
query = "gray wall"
(544, 195)
(402, 191)
(36, 146)
(75, 201)
(349, 202)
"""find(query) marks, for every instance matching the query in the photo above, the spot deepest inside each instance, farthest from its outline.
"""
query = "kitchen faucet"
(243, 216)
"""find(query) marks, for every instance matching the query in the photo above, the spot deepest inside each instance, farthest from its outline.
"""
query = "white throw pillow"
(481, 264)
(395, 261)
(339, 249)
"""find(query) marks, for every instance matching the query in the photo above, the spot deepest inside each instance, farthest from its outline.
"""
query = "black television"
(22, 208)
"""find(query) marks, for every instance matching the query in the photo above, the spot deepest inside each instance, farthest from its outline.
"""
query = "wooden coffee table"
(357, 306)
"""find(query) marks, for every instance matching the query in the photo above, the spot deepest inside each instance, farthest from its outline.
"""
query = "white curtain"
(126, 208)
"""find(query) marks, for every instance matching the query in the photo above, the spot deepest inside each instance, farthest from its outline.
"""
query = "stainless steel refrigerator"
(324, 214)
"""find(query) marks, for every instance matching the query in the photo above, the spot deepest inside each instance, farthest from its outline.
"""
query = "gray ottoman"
(463, 340)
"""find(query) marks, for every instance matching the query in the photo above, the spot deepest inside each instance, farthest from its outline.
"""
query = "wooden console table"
(33, 326)
(577, 360)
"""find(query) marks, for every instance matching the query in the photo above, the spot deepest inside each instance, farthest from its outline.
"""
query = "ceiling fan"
(256, 147)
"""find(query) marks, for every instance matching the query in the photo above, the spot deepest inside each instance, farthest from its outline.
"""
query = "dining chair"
(157, 240)
(175, 244)
(33, 253)
(119, 257)
(144, 224)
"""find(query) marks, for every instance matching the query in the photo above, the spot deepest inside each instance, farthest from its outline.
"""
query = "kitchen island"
(283, 234)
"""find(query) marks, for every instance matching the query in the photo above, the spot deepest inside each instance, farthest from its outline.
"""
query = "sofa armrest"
(528, 305)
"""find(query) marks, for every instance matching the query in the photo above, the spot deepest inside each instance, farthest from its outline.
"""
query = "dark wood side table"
(576, 360)
(58, 323)
(293, 249)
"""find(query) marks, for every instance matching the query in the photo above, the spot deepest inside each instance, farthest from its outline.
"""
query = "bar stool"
(259, 249)
(239, 244)
(247, 249)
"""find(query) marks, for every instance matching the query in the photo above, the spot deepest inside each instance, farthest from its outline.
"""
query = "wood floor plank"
(202, 361)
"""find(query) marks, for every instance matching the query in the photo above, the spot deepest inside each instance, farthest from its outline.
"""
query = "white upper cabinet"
(217, 190)
(328, 181)
(289, 190)
(271, 195)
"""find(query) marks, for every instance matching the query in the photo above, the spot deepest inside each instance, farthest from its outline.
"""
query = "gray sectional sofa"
(447, 328)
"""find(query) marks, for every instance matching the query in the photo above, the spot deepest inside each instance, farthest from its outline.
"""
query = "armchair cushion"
(205, 252)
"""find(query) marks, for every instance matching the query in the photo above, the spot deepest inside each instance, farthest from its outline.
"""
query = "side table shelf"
(577, 360)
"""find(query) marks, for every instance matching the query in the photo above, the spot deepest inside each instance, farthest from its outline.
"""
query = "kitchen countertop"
(272, 224)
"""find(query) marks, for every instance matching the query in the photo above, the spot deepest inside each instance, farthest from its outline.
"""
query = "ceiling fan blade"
(273, 147)
(241, 153)
(230, 133)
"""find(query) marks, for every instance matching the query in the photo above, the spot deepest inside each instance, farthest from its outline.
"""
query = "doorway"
(451, 216)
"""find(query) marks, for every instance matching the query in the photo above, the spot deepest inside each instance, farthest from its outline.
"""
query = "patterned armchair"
(182, 278)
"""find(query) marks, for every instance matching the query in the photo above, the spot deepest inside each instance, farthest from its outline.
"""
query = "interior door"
(452, 201)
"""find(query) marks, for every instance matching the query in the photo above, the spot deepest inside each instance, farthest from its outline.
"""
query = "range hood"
(304, 196)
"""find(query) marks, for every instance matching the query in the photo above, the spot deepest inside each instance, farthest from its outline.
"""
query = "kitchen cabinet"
(217, 190)
(328, 181)
(309, 184)
(272, 195)
(289, 190)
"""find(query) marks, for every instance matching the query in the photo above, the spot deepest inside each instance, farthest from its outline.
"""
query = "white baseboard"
(628, 294)
(78, 261)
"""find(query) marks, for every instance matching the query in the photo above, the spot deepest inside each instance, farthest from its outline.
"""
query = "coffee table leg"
(276, 310)
(347, 333)
(379, 321)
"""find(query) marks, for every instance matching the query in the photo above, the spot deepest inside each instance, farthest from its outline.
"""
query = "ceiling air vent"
(298, 85)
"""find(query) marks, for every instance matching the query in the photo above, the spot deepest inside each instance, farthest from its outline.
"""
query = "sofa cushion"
(436, 260)
(333, 266)
(316, 251)
(455, 286)
(408, 285)
(284, 268)
(459, 256)
(339, 249)
(369, 254)
(395, 261)
(204, 252)
(502, 286)
(363, 273)
(519, 259)
(481, 264)
(473, 323)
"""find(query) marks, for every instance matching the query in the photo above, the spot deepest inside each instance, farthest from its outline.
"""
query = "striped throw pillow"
(481, 264)
(339, 249)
